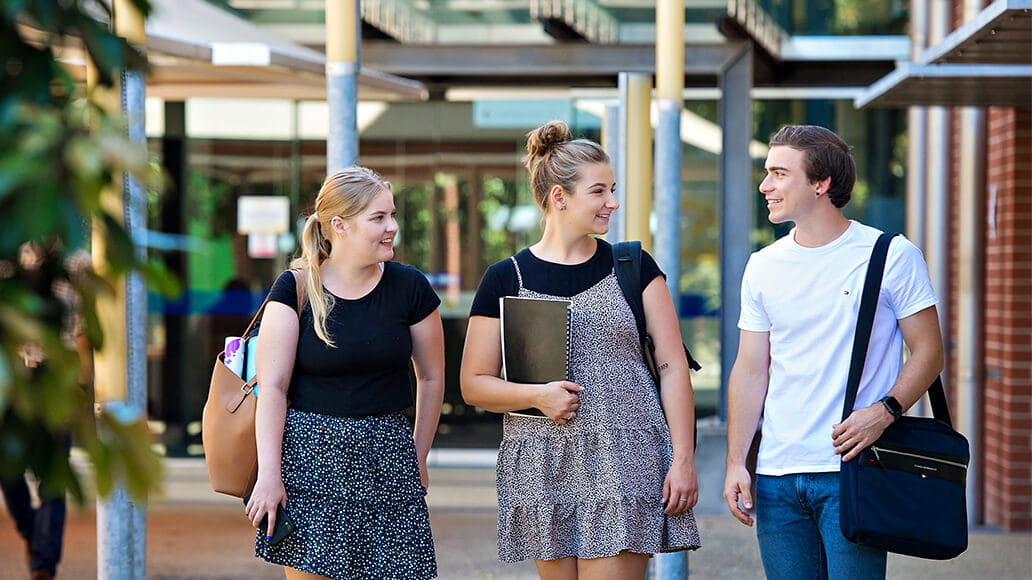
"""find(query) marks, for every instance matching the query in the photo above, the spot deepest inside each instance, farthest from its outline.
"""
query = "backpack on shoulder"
(627, 263)
(227, 423)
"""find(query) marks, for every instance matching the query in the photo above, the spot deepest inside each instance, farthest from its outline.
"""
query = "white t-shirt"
(808, 299)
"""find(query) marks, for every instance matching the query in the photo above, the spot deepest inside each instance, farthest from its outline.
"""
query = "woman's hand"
(267, 494)
(559, 401)
(680, 488)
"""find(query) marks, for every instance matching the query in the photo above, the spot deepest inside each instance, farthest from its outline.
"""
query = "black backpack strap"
(862, 337)
(627, 265)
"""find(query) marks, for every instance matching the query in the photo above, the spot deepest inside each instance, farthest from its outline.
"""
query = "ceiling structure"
(449, 44)
(987, 62)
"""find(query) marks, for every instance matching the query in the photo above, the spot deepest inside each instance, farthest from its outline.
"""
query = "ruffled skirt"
(354, 495)
(585, 490)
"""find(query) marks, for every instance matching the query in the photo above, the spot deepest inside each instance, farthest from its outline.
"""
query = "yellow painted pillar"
(110, 362)
(637, 95)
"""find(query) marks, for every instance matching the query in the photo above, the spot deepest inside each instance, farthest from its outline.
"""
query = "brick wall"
(1008, 319)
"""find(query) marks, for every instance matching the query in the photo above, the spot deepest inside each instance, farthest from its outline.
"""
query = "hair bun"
(547, 137)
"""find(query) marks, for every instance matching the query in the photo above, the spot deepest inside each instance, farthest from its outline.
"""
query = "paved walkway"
(194, 533)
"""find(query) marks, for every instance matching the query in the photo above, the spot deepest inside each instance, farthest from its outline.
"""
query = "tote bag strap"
(300, 291)
(862, 337)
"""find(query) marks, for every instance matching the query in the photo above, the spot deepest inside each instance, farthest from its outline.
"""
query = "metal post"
(342, 53)
(669, 93)
(737, 202)
(120, 368)
(612, 141)
(636, 96)
(669, 89)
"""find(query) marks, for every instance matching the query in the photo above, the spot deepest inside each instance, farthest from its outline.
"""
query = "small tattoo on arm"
(663, 367)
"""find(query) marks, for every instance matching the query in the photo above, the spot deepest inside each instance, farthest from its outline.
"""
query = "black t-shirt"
(367, 373)
(550, 278)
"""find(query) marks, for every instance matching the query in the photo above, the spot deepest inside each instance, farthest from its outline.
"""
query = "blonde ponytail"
(315, 248)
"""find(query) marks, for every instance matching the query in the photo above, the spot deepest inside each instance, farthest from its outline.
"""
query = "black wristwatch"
(892, 406)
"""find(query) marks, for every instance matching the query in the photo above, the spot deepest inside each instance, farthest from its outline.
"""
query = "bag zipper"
(915, 455)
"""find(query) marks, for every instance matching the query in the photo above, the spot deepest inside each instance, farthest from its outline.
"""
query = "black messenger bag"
(906, 493)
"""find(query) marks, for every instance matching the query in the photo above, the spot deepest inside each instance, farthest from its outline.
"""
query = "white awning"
(199, 50)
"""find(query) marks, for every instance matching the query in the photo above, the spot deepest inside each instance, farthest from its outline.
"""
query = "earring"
(562, 207)
(818, 193)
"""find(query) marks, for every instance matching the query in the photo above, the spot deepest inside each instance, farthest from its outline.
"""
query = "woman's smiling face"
(593, 200)
(372, 231)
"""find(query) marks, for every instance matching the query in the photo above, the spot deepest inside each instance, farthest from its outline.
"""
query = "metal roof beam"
(567, 60)
(951, 85)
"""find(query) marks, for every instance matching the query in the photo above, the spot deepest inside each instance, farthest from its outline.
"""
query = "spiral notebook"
(535, 342)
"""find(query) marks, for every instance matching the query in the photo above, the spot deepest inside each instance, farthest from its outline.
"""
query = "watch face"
(892, 405)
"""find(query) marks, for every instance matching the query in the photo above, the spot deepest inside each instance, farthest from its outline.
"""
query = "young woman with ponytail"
(334, 448)
(609, 477)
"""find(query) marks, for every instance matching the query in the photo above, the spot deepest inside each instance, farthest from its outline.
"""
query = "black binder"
(535, 342)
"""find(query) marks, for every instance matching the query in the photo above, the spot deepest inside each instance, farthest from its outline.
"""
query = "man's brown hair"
(825, 155)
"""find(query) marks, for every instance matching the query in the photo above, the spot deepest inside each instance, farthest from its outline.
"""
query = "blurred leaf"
(60, 156)
(160, 279)
(5, 381)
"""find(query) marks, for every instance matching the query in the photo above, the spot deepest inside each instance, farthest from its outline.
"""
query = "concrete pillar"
(736, 204)
(970, 366)
(612, 142)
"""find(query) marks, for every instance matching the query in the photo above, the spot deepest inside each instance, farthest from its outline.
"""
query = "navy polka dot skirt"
(354, 494)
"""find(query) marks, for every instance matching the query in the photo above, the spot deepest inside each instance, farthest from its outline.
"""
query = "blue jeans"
(797, 525)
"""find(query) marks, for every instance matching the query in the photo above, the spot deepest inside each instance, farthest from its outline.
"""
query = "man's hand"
(860, 429)
(737, 484)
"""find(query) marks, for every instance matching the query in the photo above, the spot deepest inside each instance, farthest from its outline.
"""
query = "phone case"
(284, 526)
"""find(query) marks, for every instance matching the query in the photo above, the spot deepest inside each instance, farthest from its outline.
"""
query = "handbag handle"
(299, 290)
(862, 337)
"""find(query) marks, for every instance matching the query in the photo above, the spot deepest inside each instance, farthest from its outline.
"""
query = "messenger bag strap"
(862, 337)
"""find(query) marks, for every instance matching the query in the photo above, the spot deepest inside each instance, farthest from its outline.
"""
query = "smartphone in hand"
(283, 527)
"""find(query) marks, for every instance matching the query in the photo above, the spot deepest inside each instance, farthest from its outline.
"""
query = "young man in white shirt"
(800, 300)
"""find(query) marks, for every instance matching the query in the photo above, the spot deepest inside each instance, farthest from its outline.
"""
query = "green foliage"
(59, 154)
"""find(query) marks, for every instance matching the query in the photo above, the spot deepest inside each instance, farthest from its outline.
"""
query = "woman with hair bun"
(608, 478)
(334, 448)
